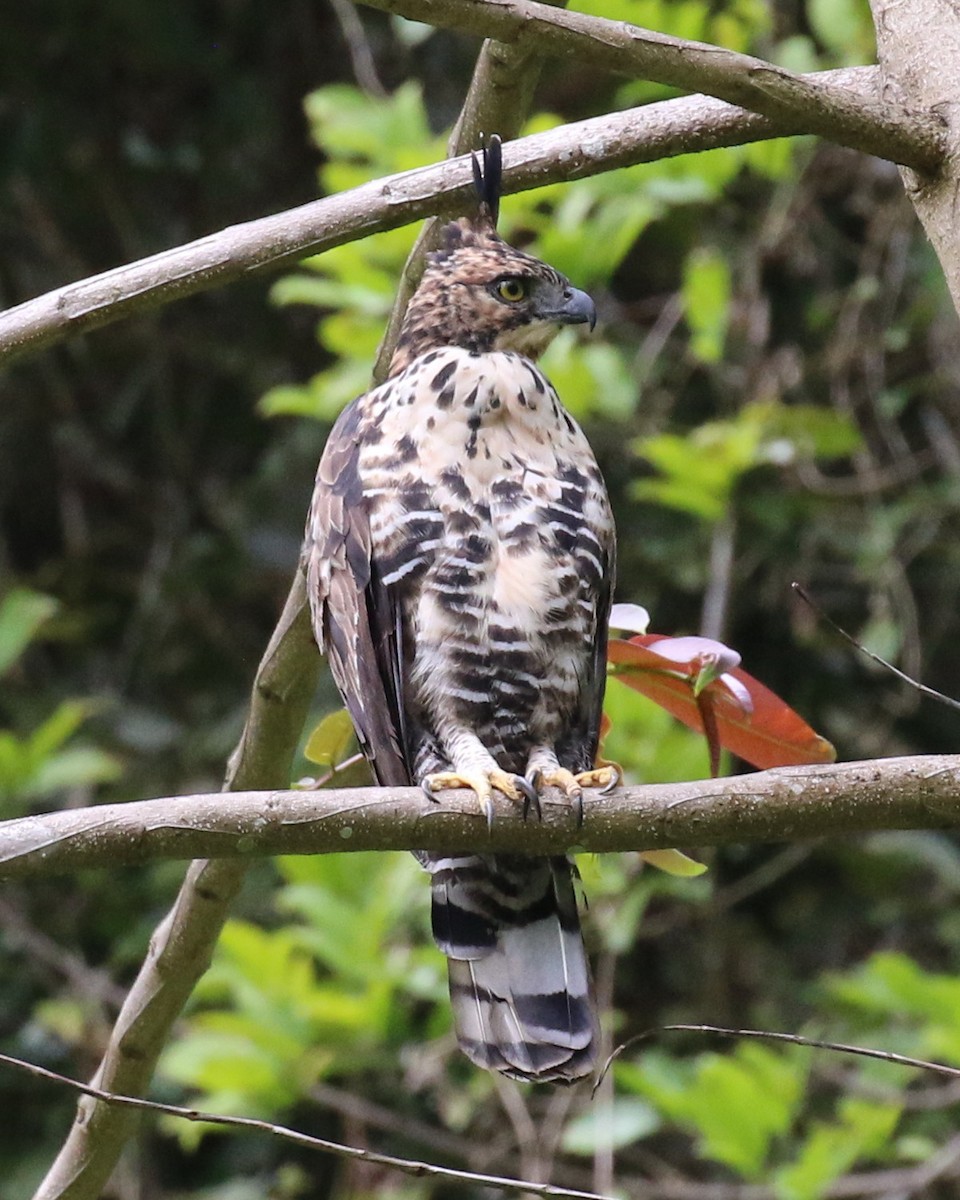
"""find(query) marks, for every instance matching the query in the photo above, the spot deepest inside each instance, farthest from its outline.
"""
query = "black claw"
(428, 791)
(613, 784)
(487, 806)
(580, 811)
(531, 798)
(533, 777)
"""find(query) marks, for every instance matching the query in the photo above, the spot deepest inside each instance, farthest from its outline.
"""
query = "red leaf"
(751, 721)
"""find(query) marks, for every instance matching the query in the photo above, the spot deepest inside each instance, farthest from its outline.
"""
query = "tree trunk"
(918, 48)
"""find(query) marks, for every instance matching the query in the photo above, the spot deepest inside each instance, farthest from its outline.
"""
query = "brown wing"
(590, 711)
(355, 620)
(597, 554)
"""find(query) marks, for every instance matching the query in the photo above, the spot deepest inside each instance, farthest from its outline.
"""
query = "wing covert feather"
(354, 617)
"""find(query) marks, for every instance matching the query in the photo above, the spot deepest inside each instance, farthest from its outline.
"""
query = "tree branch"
(918, 45)
(683, 126)
(785, 804)
(183, 943)
(874, 126)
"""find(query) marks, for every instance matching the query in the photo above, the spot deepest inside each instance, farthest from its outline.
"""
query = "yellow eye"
(512, 289)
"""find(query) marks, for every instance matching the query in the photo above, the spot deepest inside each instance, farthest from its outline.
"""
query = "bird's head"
(481, 294)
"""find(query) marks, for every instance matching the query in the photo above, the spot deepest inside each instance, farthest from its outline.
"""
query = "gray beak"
(577, 308)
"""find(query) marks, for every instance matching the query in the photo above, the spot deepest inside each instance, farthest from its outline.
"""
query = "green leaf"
(844, 27)
(737, 1104)
(65, 720)
(699, 471)
(706, 294)
(77, 766)
(329, 741)
(674, 863)
(610, 1127)
(22, 612)
(16, 767)
(36, 766)
(894, 990)
(591, 378)
(830, 1150)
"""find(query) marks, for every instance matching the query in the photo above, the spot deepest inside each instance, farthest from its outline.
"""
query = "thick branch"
(656, 131)
(785, 804)
(873, 126)
(181, 946)
(918, 45)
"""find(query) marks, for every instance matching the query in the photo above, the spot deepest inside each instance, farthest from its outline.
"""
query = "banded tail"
(520, 984)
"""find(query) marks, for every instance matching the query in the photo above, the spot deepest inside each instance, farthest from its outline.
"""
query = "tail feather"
(519, 979)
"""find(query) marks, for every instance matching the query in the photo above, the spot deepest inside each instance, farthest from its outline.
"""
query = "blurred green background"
(774, 395)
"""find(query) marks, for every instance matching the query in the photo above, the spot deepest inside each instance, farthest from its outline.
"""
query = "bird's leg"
(544, 770)
(473, 766)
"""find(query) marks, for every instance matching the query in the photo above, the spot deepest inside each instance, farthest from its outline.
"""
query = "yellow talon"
(514, 787)
(606, 778)
(565, 780)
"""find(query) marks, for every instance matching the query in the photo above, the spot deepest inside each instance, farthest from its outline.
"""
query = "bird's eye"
(512, 289)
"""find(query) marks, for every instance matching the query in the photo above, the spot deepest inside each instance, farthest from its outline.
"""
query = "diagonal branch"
(872, 125)
(784, 804)
(683, 126)
(181, 946)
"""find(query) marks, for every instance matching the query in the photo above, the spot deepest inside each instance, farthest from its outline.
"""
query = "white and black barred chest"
(489, 519)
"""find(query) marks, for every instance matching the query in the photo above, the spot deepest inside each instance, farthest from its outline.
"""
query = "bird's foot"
(566, 781)
(514, 787)
(559, 777)
(606, 778)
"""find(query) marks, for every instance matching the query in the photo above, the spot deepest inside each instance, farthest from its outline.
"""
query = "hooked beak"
(577, 309)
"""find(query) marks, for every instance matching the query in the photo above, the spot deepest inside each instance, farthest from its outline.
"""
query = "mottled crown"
(477, 291)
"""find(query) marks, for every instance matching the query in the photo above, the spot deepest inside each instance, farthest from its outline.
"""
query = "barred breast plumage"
(460, 558)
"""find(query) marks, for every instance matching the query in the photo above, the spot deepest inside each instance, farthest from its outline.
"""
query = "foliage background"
(774, 394)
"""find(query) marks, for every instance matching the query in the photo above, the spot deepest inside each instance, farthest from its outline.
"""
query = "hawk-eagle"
(460, 561)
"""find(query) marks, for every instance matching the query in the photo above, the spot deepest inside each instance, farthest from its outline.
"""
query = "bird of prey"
(460, 559)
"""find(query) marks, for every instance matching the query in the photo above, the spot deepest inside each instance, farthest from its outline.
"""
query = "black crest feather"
(487, 176)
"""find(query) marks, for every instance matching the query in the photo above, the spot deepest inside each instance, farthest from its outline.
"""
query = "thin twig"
(793, 1039)
(882, 662)
(407, 1166)
(358, 47)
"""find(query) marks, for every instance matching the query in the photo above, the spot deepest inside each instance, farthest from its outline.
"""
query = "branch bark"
(878, 126)
(785, 804)
(683, 126)
(183, 943)
(918, 46)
